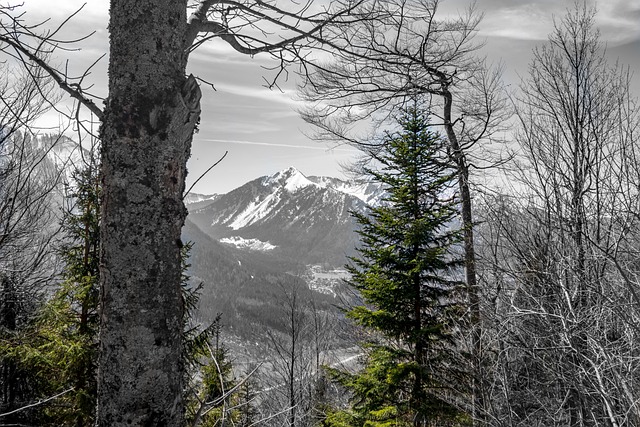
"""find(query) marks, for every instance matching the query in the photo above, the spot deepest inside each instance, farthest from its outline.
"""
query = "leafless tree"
(29, 183)
(296, 350)
(559, 255)
(150, 114)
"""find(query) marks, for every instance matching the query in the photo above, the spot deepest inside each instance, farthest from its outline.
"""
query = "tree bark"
(148, 124)
(469, 256)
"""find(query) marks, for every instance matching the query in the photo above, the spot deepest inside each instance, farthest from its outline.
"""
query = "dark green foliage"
(69, 322)
(218, 373)
(19, 384)
(246, 414)
(78, 295)
(59, 347)
(196, 338)
(406, 274)
(57, 351)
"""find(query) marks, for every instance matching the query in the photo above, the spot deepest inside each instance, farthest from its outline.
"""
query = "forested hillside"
(245, 286)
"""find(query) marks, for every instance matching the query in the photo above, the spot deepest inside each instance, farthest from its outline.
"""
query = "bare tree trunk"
(469, 254)
(148, 124)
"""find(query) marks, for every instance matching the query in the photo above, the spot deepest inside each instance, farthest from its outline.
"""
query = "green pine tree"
(218, 381)
(77, 299)
(59, 348)
(247, 414)
(405, 272)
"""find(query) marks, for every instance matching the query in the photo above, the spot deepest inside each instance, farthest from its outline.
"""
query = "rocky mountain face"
(303, 219)
(195, 201)
(279, 231)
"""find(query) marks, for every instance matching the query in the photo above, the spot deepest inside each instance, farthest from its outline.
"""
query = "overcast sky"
(261, 129)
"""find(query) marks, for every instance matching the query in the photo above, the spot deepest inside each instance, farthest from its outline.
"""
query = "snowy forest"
(491, 277)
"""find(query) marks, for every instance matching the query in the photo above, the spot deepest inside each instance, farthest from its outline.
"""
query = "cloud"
(261, 93)
(239, 126)
(529, 21)
(95, 9)
(619, 21)
(273, 144)
(219, 51)
(277, 115)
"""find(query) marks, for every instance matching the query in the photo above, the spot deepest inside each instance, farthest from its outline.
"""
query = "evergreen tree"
(247, 414)
(405, 272)
(59, 348)
(78, 296)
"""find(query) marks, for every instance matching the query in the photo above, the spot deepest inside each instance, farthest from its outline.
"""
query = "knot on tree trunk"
(191, 94)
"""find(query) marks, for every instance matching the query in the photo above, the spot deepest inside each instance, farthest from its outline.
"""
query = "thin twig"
(39, 402)
(205, 172)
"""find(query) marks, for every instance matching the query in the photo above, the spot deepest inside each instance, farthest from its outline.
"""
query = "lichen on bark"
(149, 120)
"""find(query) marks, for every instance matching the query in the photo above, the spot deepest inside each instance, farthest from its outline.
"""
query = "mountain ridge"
(306, 219)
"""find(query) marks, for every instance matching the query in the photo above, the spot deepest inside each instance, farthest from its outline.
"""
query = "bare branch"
(204, 173)
(25, 53)
(38, 403)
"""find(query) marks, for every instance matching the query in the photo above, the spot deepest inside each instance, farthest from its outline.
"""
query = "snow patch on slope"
(252, 244)
(370, 193)
(362, 192)
(296, 182)
(255, 211)
(289, 180)
(196, 198)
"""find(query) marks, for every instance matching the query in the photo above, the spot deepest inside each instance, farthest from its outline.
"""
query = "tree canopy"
(407, 272)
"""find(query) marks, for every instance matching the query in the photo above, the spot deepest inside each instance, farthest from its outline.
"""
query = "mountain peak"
(291, 179)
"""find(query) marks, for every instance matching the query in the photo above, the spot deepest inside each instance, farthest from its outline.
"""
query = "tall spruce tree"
(406, 274)
(73, 312)
(58, 349)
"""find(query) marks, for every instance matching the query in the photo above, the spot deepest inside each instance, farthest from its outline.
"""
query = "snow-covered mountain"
(195, 201)
(303, 218)
(198, 198)
(370, 193)
(277, 229)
